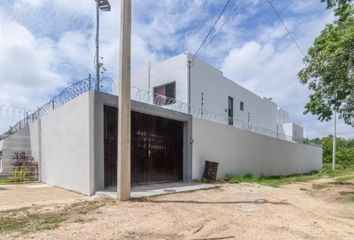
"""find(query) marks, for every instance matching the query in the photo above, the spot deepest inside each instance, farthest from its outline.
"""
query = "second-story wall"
(171, 70)
(216, 89)
(209, 81)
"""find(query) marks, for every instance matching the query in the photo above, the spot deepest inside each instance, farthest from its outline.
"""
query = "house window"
(241, 106)
(230, 111)
(165, 94)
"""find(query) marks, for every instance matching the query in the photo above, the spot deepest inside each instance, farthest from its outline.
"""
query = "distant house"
(176, 125)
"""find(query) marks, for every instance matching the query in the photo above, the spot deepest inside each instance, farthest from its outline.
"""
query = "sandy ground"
(26, 195)
(242, 211)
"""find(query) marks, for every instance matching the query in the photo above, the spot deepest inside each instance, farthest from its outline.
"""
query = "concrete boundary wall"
(26, 140)
(66, 159)
(242, 152)
(68, 143)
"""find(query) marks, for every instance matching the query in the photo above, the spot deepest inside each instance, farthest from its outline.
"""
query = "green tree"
(329, 66)
(344, 152)
(342, 8)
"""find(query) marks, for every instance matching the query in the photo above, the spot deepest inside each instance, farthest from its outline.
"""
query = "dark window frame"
(230, 110)
(242, 106)
(163, 99)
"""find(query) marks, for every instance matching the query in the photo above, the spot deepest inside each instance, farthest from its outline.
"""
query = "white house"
(176, 125)
(211, 96)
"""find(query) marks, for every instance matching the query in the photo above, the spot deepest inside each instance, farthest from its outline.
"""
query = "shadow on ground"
(257, 201)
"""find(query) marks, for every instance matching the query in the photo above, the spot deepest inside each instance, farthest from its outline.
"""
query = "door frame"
(101, 99)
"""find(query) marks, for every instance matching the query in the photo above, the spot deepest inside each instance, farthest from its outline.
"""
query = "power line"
(286, 28)
(211, 29)
(233, 13)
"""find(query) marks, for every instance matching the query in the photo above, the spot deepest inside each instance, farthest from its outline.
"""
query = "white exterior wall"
(283, 116)
(66, 158)
(242, 152)
(298, 133)
(294, 131)
(216, 88)
(172, 70)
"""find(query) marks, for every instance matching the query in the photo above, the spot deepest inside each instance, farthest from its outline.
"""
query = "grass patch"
(276, 181)
(88, 207)
(343, 180)
(5, 181)
(349, 198)
(319, 186)
(32, 219)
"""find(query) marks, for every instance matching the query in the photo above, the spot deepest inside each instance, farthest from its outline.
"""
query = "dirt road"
(242, 211)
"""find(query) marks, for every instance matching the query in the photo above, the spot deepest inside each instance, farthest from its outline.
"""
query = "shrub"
(25, 168)
(344, 151)
(19, 174)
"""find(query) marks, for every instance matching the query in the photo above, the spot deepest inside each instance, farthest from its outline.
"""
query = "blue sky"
(47, 44)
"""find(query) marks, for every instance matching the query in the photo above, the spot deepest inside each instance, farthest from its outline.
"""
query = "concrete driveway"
(25, 195)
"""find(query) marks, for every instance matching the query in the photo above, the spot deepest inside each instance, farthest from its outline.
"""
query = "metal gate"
(110, 146)
(156, 148)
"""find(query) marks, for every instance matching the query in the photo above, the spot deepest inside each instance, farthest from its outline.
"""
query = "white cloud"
(26, 66)
(27, 76)
(49, 43)
(305, 6)
(243, 62)
(270, 70)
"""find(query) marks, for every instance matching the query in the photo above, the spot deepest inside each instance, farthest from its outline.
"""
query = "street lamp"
(102, 5)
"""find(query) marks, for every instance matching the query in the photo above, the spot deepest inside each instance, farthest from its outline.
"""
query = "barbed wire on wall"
(140, 95)
(67, 94)
(63, 97)
(145, 96)
(15, 112)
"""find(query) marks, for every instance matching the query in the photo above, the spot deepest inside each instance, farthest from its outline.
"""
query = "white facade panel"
(66, 150)
(243, 152)
(171, 70)
(209, 94)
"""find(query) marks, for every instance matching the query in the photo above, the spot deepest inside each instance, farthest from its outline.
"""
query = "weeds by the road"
(343, 180)
(343, 174)
(7, 181)
(319, 186)
(4, 181)
(33, 219)
(350, 197)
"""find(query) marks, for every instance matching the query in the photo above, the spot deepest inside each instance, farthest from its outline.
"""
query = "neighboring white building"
(212, 96)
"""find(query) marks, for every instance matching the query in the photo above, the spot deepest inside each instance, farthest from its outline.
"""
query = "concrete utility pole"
(123, 171)
(334, 140)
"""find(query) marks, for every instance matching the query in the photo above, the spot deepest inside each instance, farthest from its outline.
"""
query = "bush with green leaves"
(344, 150)
(329, 66)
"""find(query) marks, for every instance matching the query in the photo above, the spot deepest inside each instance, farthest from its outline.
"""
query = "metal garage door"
(156, 148)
